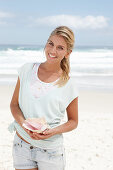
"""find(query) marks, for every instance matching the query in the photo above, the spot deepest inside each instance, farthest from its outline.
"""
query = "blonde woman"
(45, 90)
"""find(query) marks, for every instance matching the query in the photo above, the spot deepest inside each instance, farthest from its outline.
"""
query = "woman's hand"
(47, 133)
(44, 135)
(30, 133)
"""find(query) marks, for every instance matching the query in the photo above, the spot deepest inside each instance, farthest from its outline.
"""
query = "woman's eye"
(60, 48)
(50, 43)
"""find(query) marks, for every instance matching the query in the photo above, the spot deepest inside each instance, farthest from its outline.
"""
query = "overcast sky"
(31, 21)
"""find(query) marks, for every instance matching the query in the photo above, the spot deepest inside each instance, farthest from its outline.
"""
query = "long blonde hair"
(68, 36)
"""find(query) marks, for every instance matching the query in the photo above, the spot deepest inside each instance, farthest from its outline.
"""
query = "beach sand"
(88, 147)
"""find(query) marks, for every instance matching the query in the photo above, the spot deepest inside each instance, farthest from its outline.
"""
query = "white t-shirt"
(38, 87)
(51, 103)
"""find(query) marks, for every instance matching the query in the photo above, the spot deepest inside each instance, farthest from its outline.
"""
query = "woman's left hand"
(44, 135)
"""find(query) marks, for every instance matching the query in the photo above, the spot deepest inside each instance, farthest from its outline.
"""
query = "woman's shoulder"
(25, 67)
(30, 64)
(35, 64)
(72, 82)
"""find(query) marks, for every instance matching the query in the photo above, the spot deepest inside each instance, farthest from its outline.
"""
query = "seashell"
(36, 124)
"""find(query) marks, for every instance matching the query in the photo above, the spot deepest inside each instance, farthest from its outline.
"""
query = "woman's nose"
(53, 49)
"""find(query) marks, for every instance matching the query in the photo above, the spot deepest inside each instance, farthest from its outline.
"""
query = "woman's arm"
(14, 106)
(72, 114)
(15, 109)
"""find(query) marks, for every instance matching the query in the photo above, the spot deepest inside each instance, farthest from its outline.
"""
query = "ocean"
(91, 66)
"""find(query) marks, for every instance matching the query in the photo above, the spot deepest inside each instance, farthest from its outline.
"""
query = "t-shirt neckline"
(37, 68)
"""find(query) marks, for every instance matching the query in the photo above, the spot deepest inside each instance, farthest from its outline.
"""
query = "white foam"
(86, 64)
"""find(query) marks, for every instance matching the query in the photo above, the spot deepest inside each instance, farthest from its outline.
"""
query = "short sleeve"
(23, 70)
(71, 93)
(20, 71)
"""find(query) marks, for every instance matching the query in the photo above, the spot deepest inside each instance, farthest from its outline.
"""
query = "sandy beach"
(89, 147)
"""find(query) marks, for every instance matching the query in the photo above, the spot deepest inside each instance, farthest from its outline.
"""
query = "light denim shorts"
(26, 156)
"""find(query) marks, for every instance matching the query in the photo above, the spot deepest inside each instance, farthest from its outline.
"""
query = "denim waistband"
(19, 141)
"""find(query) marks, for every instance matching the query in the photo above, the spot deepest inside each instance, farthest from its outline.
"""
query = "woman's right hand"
(30, 133)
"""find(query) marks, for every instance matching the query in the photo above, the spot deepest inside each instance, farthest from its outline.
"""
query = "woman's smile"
(52, 56)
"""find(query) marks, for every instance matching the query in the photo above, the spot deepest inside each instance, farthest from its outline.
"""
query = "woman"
(45, 90)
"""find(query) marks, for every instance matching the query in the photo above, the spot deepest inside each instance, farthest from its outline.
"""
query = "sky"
(31, 21)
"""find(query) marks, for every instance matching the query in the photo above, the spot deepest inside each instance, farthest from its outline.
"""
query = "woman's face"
(56, 49)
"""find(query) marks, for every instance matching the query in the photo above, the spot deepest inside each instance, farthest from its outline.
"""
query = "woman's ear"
(68, 54)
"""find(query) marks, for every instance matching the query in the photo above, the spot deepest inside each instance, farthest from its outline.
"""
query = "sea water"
(91, 66)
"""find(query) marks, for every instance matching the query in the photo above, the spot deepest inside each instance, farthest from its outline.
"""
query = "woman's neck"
(54, 68)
